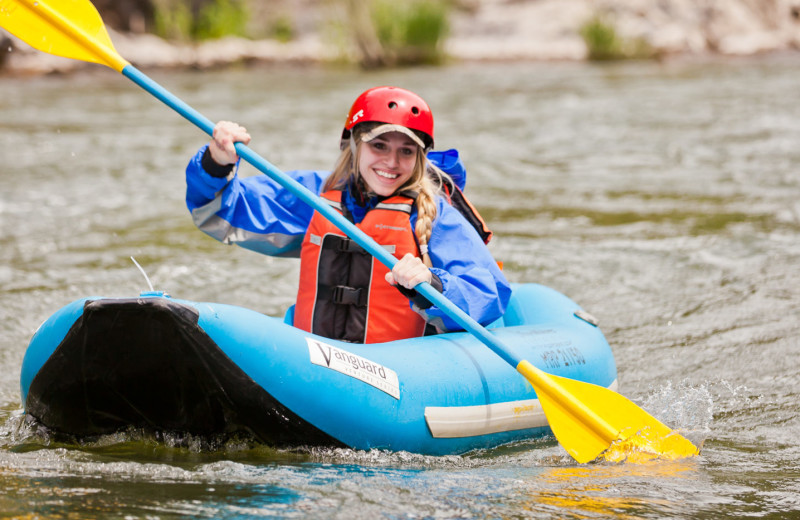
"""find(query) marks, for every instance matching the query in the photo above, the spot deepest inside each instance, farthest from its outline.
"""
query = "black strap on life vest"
(344, 295)
(344, 245)
(343, 282)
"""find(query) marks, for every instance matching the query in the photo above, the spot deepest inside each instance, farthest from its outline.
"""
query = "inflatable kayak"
(101, 365)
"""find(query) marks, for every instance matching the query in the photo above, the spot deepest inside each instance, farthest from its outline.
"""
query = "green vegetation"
(200, 19)
(604, 43)
(384, 32)
(601, 39)
(412, 31)
(283, 29)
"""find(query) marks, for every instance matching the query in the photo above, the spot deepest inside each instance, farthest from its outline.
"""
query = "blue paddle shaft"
(316, 202)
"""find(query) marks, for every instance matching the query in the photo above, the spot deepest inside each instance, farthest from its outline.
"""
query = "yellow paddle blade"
(588, 419)
(67, 28)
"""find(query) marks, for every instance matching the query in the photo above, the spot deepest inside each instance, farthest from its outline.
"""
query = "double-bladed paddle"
(586, 419)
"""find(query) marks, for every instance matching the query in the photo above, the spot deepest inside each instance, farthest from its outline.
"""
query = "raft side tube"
(220, 368)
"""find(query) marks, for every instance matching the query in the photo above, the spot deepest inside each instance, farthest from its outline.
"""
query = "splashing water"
(684, 407)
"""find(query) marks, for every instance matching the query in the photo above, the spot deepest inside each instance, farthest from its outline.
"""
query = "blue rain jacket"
(259, 214)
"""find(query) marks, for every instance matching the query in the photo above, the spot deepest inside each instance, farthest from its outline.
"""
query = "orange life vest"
(343, 293)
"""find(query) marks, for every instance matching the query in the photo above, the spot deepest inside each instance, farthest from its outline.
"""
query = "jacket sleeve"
(469, 274)
(255, 212)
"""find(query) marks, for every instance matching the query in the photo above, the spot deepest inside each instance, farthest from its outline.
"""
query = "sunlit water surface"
(662, 197)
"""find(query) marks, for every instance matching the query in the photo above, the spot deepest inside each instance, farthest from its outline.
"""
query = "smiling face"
(387, 162)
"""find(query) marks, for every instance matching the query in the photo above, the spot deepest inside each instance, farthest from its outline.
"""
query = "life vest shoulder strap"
(333, 198)
(403, 201)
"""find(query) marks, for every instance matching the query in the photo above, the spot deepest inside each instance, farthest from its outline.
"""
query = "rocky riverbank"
(484, 30)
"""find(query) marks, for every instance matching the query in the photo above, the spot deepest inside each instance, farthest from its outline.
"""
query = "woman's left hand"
(409, 272)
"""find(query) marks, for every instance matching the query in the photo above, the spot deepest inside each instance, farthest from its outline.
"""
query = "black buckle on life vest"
(345, 295)
(343, 245)
(346, 245)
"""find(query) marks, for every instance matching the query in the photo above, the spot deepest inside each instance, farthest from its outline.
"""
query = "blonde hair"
(426, 180)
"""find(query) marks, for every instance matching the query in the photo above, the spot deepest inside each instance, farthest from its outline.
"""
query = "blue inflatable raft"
(101, 365)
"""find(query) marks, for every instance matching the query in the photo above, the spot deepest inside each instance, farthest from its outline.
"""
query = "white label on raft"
(469, 421)
(350, 364)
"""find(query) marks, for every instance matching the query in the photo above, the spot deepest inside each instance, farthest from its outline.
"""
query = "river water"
(662, 197)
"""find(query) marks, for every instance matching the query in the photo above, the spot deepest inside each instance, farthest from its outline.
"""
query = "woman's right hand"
(226, 133)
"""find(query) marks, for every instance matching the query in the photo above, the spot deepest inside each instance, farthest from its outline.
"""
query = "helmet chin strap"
(359, 182)
(353, 147)
(353, 156)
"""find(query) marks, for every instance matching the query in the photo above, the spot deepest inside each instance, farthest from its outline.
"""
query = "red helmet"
(391, 105)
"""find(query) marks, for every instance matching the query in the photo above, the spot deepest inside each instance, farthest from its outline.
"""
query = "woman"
(386, 183)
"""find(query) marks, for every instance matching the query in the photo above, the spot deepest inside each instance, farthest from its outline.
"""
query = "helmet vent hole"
(392, 104)
(415, 111)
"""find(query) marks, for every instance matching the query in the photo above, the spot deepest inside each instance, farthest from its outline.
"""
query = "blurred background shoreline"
(374, 34)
